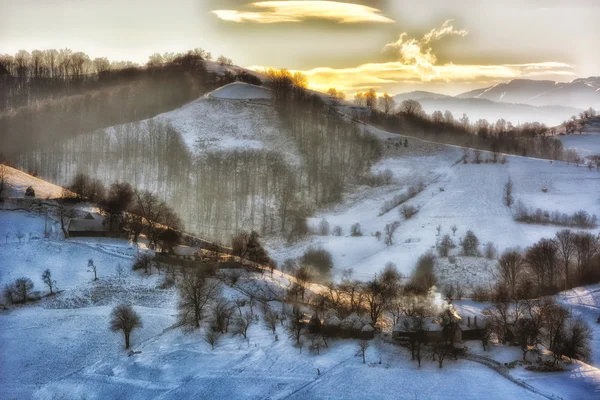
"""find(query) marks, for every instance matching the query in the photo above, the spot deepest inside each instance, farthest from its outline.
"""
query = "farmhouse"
(91, 225)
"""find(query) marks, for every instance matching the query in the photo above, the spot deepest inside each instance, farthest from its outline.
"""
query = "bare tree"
(241, 324)
(577, 340)
(417, 326)
(445, 245)
(508, 198)
(511, 269)
(371, 99)
(295, 326)
(541, 260)
(212, 336)
(47, 279)
(324, 227)
(363, 345)
(454, 228)
(270, 319)
(411, 108)
(386, 103)
(94, 268)
(222, 312)
(143, 261)
(196, 290)
(390, 229)
(565, 244)
(124, 318)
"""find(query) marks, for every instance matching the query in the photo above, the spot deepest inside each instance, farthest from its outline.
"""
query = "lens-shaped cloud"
(267, 12)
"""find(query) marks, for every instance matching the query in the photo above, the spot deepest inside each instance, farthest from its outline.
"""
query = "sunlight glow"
(416, 62)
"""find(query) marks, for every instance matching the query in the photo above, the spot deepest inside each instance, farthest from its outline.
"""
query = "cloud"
(268, 12)
(384, 76)
(419, 53)
(416, 64)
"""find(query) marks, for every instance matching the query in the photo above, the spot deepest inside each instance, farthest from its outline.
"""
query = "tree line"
(532, 139)
(45, 104)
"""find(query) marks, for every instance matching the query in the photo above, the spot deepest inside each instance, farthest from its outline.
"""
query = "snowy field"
(466, 195)
(61, 347)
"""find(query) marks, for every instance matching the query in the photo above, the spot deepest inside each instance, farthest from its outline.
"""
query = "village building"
(91, 225)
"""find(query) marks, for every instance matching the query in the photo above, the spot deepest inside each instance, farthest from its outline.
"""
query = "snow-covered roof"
(92, 222)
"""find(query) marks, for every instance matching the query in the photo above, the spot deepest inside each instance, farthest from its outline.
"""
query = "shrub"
(490, 251)
(18, 291)
(579, 219)
(408, 211)
(324, 227)
(470, 244)
(423, 277)
(481, 294)
(355, 230)
(319, 258)
(337, 231)
(445, 245)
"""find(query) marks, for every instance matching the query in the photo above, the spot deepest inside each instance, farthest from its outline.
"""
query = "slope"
(466, 195)
(18, 181)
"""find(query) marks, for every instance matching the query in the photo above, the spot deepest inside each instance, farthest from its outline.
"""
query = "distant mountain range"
(520, 100)
(476, 108)
(581, 93)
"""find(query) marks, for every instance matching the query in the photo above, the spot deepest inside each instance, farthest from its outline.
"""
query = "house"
(91, 225)
(183, 250)
(465, 330)
(434, 331)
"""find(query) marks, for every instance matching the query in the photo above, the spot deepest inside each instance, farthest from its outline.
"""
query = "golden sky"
(447, 46)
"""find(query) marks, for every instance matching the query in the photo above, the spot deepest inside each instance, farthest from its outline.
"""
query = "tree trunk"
(126, 340)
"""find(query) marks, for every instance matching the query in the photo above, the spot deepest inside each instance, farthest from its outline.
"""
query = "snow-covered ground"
(466, 195)
(207, 123)
(18, 181)
(241, 91)
(61, 347)
(67, 260)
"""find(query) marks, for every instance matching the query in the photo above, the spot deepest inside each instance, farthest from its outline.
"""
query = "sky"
(446, 46)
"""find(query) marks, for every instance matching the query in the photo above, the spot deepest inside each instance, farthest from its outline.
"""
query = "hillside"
(18, 181)
(580, 93)
(466, 195)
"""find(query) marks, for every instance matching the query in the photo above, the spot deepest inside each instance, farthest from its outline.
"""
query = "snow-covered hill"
(17, 182)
